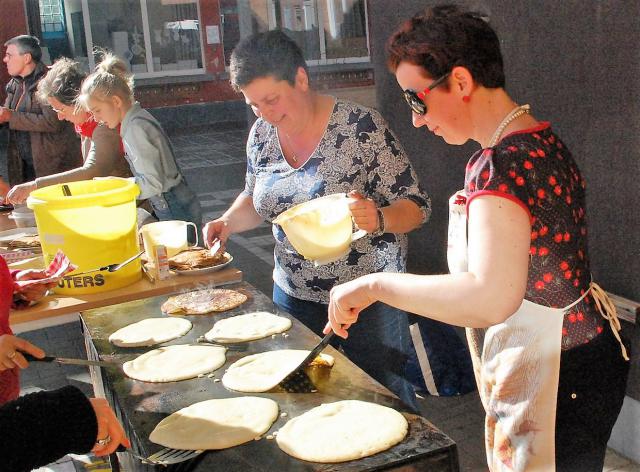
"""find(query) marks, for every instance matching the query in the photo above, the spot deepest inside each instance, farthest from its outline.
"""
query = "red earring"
(466, 98)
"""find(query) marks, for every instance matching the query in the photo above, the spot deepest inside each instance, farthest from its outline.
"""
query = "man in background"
(39, 143)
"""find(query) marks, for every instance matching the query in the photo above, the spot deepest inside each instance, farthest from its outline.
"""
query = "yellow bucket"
(94, 225)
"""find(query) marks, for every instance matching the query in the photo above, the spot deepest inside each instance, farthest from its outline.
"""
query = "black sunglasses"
(415, 100)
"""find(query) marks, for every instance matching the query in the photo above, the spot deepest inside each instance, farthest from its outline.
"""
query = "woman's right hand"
(11, 348)
(216, 230)
(346, 302)
(19, 193)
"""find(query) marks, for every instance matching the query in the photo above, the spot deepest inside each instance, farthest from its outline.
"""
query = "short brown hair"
(443, 37)
(270, 54)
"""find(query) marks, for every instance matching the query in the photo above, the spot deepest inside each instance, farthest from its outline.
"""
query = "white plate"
(205, 270)
(11, 234)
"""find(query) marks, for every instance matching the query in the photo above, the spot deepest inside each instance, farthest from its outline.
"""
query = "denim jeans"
(179, 203)
(378, 343)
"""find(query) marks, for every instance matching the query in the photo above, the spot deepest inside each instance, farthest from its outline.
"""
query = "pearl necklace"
(513, 114)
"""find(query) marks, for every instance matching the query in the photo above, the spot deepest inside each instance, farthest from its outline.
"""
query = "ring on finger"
(104, 442)
(11, 355)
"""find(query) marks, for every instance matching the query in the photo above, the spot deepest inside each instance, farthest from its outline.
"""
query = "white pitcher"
(321, 230)
(172, 234)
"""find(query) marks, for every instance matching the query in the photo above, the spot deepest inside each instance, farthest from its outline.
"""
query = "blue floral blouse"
(357, 152)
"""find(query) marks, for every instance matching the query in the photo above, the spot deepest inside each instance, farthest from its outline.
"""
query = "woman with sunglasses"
(550, 365)
(102, 149)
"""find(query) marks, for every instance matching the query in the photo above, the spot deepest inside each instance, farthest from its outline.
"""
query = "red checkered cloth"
(60, 265)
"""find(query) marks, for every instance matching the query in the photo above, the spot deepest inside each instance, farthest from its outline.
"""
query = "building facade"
(179, 50)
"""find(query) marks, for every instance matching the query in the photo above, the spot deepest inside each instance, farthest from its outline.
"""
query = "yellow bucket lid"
(85, 193)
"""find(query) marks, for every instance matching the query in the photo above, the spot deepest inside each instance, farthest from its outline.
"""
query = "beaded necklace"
(513, 114)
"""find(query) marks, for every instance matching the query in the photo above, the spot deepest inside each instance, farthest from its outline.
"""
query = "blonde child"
(108, 94)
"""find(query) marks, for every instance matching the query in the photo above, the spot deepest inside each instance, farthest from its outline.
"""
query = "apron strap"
(608, 311)
(568, 307)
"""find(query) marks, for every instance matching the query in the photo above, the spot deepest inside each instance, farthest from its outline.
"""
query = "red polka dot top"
(536, 170)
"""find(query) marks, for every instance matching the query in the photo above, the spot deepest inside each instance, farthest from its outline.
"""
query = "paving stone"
(35, 337)
(27, 390)
(75, 370)
(53, 375)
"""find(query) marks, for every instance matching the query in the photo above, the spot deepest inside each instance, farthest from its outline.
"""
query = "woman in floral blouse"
(550, 365)
(305, 145)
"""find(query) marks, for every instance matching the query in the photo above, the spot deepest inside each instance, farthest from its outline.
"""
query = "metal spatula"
(231, 347)
(169, 456)
(70, 360)
(215, 247)
(298, 381)
(112, 267)
(166, 456)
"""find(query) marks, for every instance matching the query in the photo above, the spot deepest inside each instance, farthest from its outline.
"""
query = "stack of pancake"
(196, 258)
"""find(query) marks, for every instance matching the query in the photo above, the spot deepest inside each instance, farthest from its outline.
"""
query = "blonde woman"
(102, 149)
(108, 94)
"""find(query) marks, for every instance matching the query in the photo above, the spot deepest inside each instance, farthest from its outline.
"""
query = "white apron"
(516, 364)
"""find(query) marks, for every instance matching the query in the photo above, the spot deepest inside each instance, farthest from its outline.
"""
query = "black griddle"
(142, 405)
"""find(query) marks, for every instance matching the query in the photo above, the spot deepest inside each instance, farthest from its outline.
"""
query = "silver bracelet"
(380, 230)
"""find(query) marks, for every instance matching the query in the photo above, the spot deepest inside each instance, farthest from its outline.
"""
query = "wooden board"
(56, 305)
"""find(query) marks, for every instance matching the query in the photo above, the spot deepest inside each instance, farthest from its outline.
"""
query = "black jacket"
(41, 427)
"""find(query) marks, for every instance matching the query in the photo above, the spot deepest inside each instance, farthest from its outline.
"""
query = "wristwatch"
(380, 230)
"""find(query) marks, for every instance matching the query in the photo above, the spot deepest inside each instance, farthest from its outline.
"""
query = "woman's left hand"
(33, 292)
(346, 302)
(110, 431)
(364, 212)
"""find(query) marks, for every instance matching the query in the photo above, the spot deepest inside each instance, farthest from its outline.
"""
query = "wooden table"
(57, 305)
(141, 405)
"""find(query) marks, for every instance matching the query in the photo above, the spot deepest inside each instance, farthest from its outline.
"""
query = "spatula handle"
(318, 349)
(31, 358)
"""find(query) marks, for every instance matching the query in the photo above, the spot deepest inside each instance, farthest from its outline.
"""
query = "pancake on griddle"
(200, 302)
